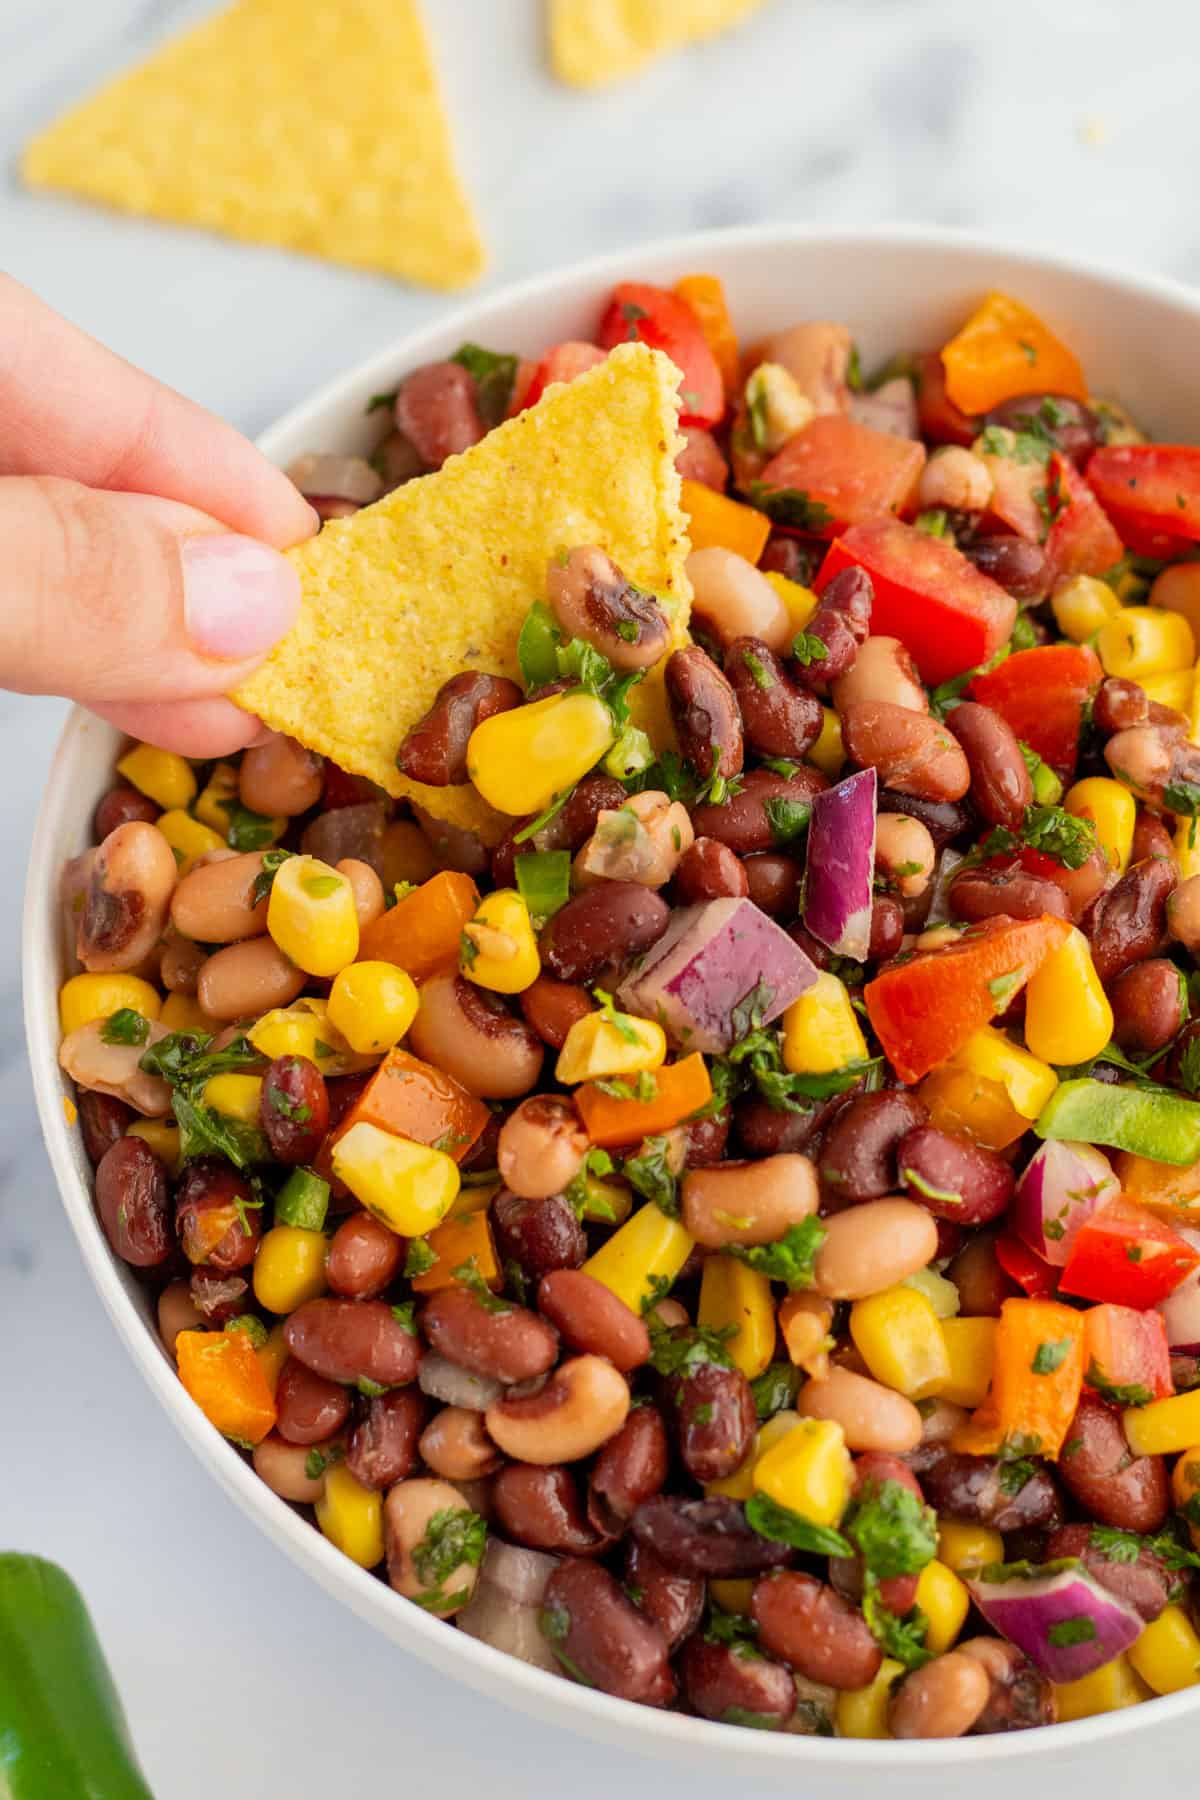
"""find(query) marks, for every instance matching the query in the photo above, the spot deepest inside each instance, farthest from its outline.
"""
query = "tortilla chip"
(438, 576)
(319, 128)
(597, 41)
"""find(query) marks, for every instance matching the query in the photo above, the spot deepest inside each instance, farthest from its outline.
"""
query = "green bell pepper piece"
(1150, 1121)
(537, 646)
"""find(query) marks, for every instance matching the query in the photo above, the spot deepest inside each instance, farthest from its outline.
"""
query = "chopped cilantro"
(1003, 987)
(1183, 799)
(419, 1259)
(1119, 1394)
(790, 507)
(468, 1275)
(455, 1538)
(729, 1628)
(643, 1087)
(783, 1526)
(775, 1389)
(247, 830)
(1080, 1630)
(788, 819)
(125, 1026)
(1189, 1066)
(681, 1350)
(1050, 1356)
(621, 1022)
(808, 648)
(320, 1459)
(272, 862)
(934, 522)
(790, 1259)
(493, 374)
(760, 674)
(649, 1173)
(405, 1317)
(895, 1532)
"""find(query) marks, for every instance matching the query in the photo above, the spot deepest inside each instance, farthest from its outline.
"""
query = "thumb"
(143, 609)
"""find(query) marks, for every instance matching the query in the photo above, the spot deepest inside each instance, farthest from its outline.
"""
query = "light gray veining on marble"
(1073, 126)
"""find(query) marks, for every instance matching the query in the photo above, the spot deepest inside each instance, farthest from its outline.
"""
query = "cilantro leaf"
(787, 818)
(1050, 1356)
(900, 1638)
(649, 1173)
(775, 1389)
(125, 1026)
(895, 1532)
(468, 1275)
(681, 1349)
(790, 507)
(790, 1259)
(783, 1526)
(419, 1258)
(494, 374)
(1119, 1393)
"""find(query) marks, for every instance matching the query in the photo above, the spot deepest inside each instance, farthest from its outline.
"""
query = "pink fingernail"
(239, 596)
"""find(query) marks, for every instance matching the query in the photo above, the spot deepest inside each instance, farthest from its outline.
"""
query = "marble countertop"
(1073, 126)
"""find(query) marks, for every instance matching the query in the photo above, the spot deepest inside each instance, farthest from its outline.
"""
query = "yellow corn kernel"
(217, 796)
(1175, 689)
(87, 997)
(459, 1240)
(237, 1096)
(311, 916)
(829, 752)
(1113, 811)
(967, 1548)
(740, 1485)
(1067, 1013)
(1167, 1655)
(732, 1596)
(162, 1135)
(351, 1517)
(1164, 1426)
(800, 601)
(1117, 1684)
(821, 1030)
(183, 1012)
(499, 948)
(971, 1349)
(1178, 590)
(808, 1471)
(289, 1267)
(900, 1338)
(732, 1294)
(646, 1251)
(1187, 848)
(961, 1101)
(605, 1202)
(598, 1046)
(1081, 604)
(945, 1601)
(273, 1354)
(941, 1294)
(1185, 1484)
(1145, 640)
(409, 1187)
(862, 1712)
(162, 775)
(522, 760)
(188, 838)
(373, 1004)
(1025, 1079)
(305, 1029)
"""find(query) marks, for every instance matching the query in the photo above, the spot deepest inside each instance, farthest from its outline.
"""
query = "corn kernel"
(188, 838)
(499, 949)
(183, 1012)
(521, 761)
(1175, 689)
(732, 1596)
(1167, 1655)
(971, 1348)
(1187, 848)
(1068, 1017)
(808, 1471)
(1164, 1426)
(945, 1600)
(1117, 1684)
(1178, 590)
(1113, 811)
(740, 1485)
(311, 916)
(732, 1294)
(968, 1548)
(217, 796)
(862, 1712)
(598, 1046)
(1026, 1080)
(162, 1135)
(289, 1267)
(800, 601)
(941, 1294)
(820, 1029)
(829, 752)
(162, 775)
(1081, 604)
(604, 1202)
(899, 1337)
(961, 1101)
(273, 1354)
(373, 1004)
(87, 997)
(351, 1517)
(648, 1250)
(409, 1187)
(237, 1096)
(1145, 640)
(305, 1029)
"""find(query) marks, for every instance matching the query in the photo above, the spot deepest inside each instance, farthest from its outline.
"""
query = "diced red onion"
(892, 408)
(1063, 1185)
(1181, 1309)
(519, 1573)
(444, 1380)
(1066, 1623)
(491, 1617)
(839, 882)
(321, 474)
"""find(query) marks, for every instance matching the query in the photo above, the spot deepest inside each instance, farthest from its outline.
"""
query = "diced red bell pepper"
(1043, 694)
(939, 418)
(639, 313)
(1032, 1274)
(1125, 1255)
(1149, 489)
(949, 615)
(849, 474)
(1082, 540)
(1124, 1348)
(563, 363)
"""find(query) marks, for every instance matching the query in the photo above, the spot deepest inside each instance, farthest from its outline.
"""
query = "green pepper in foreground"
(1148, 1121)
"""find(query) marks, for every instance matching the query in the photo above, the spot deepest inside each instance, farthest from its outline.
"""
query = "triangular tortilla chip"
(597, 41)
(439, 575)
(316, 127)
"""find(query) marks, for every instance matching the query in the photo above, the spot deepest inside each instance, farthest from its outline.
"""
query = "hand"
(139, 540)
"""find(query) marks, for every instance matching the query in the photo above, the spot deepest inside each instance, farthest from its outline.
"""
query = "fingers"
(71, 408)
(197, 728)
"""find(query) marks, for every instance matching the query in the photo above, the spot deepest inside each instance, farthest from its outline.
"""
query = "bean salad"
(731, 1241)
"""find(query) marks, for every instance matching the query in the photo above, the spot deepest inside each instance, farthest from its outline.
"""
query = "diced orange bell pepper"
(1168, 1192)
(706, 297)
(715, 519)
(1004, 350)
(412, 1099)
(924, 1010)
(1127, 1348)
(681, 1088)
(454, 1242)
(1037, 1378)
(222, 1373)
(422, 932)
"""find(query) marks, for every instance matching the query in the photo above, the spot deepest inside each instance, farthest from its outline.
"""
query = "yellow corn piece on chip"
(438, 576)
(319, 128)
(595, 41)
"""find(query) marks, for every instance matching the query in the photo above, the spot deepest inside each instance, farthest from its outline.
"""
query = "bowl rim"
(530, 1690)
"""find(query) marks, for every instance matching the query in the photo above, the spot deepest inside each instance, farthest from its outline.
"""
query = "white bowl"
(1139, 340)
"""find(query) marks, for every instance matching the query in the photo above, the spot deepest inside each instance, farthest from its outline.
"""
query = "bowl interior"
(1139, 341)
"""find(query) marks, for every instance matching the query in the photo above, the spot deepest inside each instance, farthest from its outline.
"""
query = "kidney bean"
(456, 1445)
(742, 823)
(437, 409)
(1128, 923)
(1072, 427)
(722, 1684)
(708, 870)
(294, 1109)
(1020, 1696)
(541, 1509)
(871, 1416)
(453, 846)
(124, 910)
(1017, 564)
(122, 806)
(778, 718)
(982, 1284)
(310, 1407)
(382, 1447)
(675, 1602)
(592, 1319)
(942, 1700)
(131, 1200)
(792, 557)
(612, 922)
(841, 623)
(765, 1132)
(551, 1008)
(1185, 1371)
(283, 1467)
(219, 1298)
(602, 1638)
(469, 1033)
(972, 1489)
(584, 1403)
(1149, 1003)
(435, 748)
(887, 928)
(538, 1235)
(714, 1419)
(704, 1140)
(508, 1342)
(353, 1340)
(364, 1257)
(1000, 785)
(1007, 892)
(705, 713)
(103, 1120)
(217, 1218)
(805, 1623)
(944, 820)
(954, 1178)
(1150, 838)
(408, 1512)
(898, 1592)
(910, 752)
(591, 599)
(176, 1311)
(774, 882)
(353, 833)
(1145, 1584)
(706, 1537)
(1123, 705)
(1102, 1473)
(858, 1161)
(591, 796)
(631, 1467)
(1183, 914)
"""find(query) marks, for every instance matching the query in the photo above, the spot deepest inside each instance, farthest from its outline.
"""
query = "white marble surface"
(1073, 125)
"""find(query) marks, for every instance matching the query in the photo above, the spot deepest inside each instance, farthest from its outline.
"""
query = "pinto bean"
(708, 870)
(1103, 1474)
(310, 1407)
(1000, 785)
(882, 670)
(245, 980)
(704, 709)
(1123, 705)
(981, 1282)
(1007, 892)
(859, 1158)
(353, 1340)
(705, 1537)
(541, 1508)
(125, 902)
(910, 752)
(122, 806)
(613, 922)
(601, 1637)
(348, 833)
(542, 1147)
(408, 1512)
(1016, 564)
(469, 1033)
(942, 1700)
(1149, 1003)
(715, 1421)
(732, 599)
(631, 1467)
(593, 600)
(871, 1416)
(1150, 838)
(215, 903)
(954, 1178)
(841, 624)
(132, 1203)
(496, 1338)
(742, 823)
(675, 1602)
(584, 1403)
(551, 1007)
(905, 855)
(944, 820)
(721, 1684)
(382, 1448)
(1145, 1584)
(778, 718)
(592, 1319)
(1128, 923)
(973, 1489)
(217, 1218)
(748, 1202)
(538, 1235)
(1020, 1696)
(284, 1468)
(102, 1120)
(437, 409)
(280, 778)
(114, 1070)
(435, 748)
(456, 1445)
(806, 1624)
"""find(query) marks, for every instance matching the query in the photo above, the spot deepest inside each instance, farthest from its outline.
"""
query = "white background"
(1074, 126)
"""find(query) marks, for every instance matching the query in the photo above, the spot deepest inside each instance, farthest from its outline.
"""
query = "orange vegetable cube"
(455, 1241)
(421, 933)
(706, 297)
(681, 1088)
(222, 1373)
(412, 1099)
(1004, 350)
(1037, 1378)
(715, 519)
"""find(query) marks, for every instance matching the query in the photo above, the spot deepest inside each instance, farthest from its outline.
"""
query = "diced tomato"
(1031, 1273)
(1149, 490)
(847, 473)
(940, 419)
(527, 368)
(563, 363)
(1125, 1255)
(949, 615)
(1081, 540)
(1125, 1348)
(639, 313)
(1043, 694)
